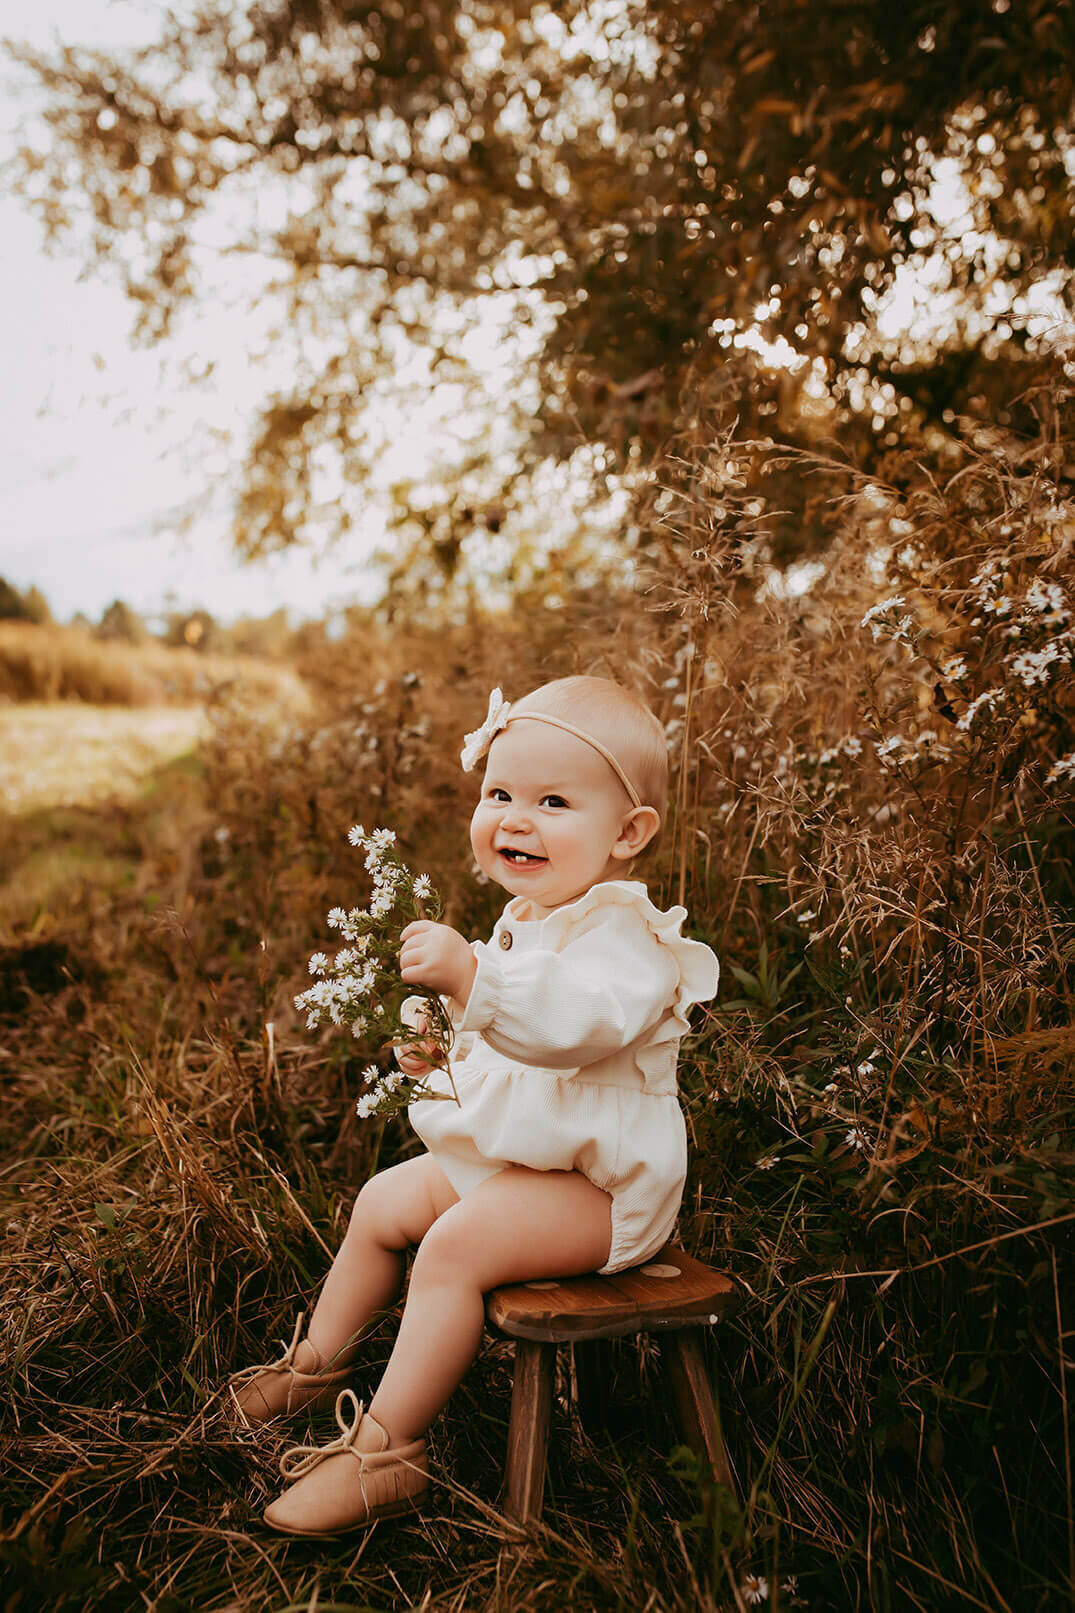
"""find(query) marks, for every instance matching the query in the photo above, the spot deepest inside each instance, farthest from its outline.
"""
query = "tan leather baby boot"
(282, 1388)
(350, 1482)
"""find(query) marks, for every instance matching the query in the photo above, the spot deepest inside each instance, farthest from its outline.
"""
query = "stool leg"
(699, 1420)
(528, 1429)
(593, 1366)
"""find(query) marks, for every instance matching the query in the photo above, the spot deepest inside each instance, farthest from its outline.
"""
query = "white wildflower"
(422, 886)
(318, 963)
(1062, 769)
(865, 1068)
(1047, 598)
(765, 1163)
(336, 918)
(955, 668)
(1033, 665)
(856, 1138)
(357, 835)
(875, 611)
(371, 1073)
(986, 700)
(755, 1589)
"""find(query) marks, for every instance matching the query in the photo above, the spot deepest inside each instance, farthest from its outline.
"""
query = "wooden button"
(505, 940)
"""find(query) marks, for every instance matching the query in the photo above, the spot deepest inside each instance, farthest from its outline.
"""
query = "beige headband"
(498, 717)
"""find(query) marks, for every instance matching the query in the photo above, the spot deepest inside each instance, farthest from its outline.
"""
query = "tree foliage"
(660, 202)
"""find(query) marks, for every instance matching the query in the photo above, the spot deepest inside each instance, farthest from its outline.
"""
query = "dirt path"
(71, 754)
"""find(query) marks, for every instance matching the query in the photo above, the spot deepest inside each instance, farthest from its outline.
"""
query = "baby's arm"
(570, 1008)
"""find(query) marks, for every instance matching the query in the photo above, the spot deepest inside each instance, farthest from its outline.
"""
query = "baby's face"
(550, 817)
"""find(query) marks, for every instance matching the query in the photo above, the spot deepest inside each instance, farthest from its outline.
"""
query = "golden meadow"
(872, 826)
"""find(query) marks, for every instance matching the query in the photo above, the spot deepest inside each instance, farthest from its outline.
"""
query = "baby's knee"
(392, 1208)
(449, 1251)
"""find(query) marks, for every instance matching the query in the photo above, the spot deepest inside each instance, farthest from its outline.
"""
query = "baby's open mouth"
(520, 859)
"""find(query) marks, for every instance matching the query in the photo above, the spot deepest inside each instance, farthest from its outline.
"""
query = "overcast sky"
(91, 458)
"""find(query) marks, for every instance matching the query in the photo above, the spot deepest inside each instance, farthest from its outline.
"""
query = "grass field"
(76, 755)
(878, 1110)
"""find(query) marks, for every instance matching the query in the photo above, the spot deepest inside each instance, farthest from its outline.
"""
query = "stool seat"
(671, 1290)
(672, 1295)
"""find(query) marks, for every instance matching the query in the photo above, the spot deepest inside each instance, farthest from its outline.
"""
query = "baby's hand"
(436, 956)
(416, 1059)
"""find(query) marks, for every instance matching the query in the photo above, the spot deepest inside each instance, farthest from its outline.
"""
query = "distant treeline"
(193, 629)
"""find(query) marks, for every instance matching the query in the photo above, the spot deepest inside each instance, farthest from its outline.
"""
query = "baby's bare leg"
(516, 1226)
(395, 1209)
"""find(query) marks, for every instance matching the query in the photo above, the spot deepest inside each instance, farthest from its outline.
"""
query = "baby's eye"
(497, 794)
(554, 801)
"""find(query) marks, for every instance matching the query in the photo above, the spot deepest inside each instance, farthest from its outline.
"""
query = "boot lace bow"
(302, 1459)
(287, 1361)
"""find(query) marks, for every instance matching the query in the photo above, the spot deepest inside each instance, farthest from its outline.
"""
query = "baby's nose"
(515, 816)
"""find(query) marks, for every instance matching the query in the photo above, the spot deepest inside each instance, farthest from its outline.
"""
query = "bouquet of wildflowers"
(360, 987)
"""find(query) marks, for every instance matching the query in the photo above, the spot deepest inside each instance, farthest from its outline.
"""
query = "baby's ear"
(638, 829)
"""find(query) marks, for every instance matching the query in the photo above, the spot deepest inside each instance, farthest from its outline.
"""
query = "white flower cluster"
(884, 622)
(382, 1089)
(899, 749)
(342, 991)
(1033, 666)
(987, 700)
(361, 983)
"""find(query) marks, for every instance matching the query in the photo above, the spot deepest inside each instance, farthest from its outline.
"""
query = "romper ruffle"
(602, 1106)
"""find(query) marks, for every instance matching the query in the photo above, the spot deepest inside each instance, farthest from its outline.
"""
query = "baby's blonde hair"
(620, 719)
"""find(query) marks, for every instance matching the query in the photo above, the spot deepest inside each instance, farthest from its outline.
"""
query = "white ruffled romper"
(565, 1057)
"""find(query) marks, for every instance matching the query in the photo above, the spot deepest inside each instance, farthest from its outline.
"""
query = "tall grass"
(48, 662)
(879, 1104)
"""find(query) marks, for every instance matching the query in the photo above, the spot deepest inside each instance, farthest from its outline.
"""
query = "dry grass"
(50, 662)
(879, 1105)
(56, 755)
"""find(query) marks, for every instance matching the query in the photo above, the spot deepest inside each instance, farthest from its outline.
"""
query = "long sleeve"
(567, 1009)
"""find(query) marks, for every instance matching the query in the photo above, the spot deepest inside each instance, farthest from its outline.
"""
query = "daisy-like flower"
(422, 887)
(318, 963)
(765, 1163)
(755, 1589)
(1063, 769)
(356, 835)
(856, 1138)
(988, 699)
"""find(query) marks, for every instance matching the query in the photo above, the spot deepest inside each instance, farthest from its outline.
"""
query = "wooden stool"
(672, 1295)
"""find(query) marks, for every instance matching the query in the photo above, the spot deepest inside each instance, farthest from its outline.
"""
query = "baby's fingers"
(412, 1065)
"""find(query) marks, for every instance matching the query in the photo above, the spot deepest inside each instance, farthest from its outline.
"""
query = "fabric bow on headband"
(476, 744)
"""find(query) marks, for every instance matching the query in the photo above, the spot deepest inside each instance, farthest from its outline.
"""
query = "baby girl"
(566, 1152)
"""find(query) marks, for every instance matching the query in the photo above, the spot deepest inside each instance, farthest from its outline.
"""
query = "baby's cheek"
(479, 831)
